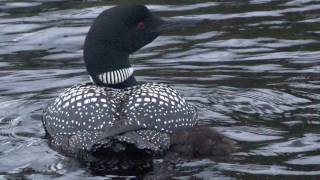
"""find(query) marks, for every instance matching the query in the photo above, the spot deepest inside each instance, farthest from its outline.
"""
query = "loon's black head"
(117, 33)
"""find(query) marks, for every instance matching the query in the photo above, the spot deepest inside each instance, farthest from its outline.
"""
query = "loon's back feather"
(85, 115)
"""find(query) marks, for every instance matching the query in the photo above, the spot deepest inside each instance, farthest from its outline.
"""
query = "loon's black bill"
(176, 25)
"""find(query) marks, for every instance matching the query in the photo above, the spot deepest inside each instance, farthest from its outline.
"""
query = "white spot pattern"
(82, 113)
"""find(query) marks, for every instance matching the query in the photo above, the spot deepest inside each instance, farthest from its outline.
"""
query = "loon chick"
(199, 142)
(114, 113)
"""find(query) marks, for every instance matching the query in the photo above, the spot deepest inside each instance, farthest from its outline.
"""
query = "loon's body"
(144, 115)
(115, 107)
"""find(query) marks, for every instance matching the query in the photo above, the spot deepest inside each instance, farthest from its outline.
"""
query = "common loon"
(89, 118)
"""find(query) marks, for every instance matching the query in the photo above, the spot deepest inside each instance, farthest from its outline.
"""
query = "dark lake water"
(253, 71)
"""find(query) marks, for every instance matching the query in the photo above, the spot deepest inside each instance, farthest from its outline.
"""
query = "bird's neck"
(107, 62)
(109, 68)
(120, 78)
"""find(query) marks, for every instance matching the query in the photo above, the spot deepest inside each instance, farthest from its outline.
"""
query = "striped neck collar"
(112, 77)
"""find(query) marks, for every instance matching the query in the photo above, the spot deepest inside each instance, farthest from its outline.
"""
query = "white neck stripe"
(115, 77)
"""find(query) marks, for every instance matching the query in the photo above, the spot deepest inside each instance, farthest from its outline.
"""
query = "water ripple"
(252, 70)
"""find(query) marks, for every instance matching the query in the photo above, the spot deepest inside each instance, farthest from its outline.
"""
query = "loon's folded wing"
(75, 145)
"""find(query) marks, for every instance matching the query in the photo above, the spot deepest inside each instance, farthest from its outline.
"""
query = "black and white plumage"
(147, 113)
(114, 109)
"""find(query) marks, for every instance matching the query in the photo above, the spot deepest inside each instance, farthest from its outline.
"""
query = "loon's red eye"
(141, 25)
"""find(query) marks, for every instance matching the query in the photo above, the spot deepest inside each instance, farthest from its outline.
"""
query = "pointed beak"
(176, 25)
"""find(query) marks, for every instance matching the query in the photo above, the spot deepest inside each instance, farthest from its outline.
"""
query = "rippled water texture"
(253, 71)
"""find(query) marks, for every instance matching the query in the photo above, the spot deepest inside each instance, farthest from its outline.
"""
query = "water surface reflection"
(253, 72)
